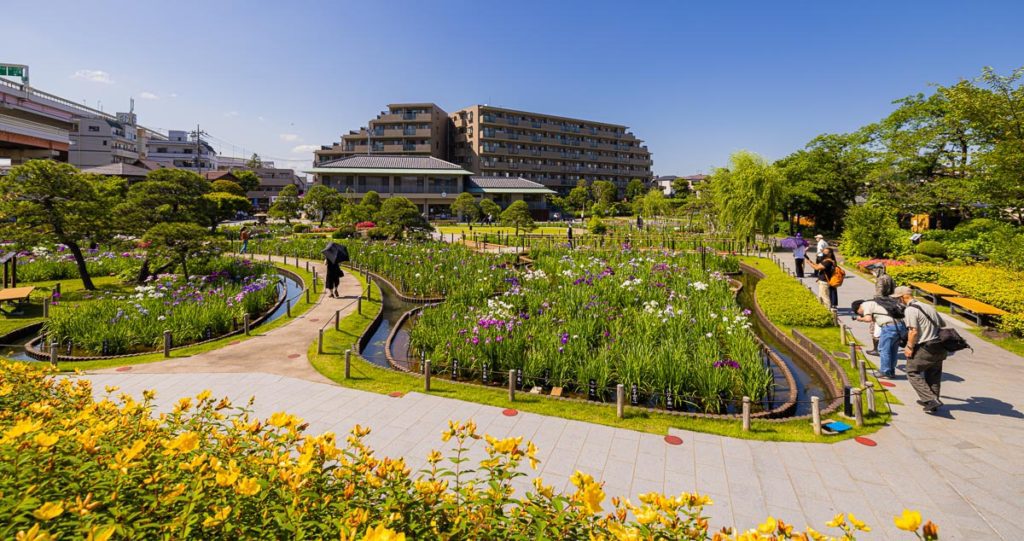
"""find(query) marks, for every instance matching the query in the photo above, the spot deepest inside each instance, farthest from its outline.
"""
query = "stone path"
(962, 469)
(280, 351)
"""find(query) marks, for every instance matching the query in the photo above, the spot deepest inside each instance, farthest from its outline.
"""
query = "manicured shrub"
(872, 231)
(597, 226)
(378, 233)
(344, 232)
(786, 302)
(300, 228)
(932, 248)
(75, 468)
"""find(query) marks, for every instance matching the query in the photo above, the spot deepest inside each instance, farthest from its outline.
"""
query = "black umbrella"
(335, 253)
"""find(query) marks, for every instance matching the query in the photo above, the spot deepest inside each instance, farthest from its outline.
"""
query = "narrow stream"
(393, 309)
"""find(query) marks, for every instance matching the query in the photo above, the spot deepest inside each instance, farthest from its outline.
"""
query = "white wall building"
(182, 151)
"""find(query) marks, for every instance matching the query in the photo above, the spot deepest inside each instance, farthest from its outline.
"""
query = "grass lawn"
(298, 308)
(372, 378)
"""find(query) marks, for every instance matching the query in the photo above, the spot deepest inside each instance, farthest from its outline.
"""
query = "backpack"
(893, 307)
(838, 275)
(948, 337)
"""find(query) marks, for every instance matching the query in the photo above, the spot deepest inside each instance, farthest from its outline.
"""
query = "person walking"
(569, 235)
(826, 268)
(885, 333)
(924, 351)
(819, 249)
(799, 253)
(243, 235)
(333, 278)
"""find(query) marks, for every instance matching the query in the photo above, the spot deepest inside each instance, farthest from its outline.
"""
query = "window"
(104, 142)
(94, 128)
(161, 150)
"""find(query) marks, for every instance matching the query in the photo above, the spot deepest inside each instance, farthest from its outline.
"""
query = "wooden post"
(288, 307)
(307, 293)
(314, 281)
(53, 352)
(842, 334)
(853, 355)
(746, 414)
(348, 363)
(337, 320)
(167, 343)
(46, 308)
(297, 263)
(858, 407)
(426, 374)
(871, 397)
(511, 385)
(245, 323)
(320, 342)
(862, 368)
(620, 400)
(359, 305)
(816, 415)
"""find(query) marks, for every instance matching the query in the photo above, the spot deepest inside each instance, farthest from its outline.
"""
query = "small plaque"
(556, 391)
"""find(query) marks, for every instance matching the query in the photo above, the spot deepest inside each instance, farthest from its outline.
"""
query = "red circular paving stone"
(865, 441)
(510, 412)
(396, 394)
(294, 356)
(887, 384)
(123, 369)
(313, 320)
(235, 343)
(673, 440)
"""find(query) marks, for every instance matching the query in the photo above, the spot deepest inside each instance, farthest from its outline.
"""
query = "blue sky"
(695, 80)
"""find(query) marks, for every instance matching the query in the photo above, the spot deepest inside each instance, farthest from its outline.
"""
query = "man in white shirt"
(820, 248)
(924, 352)
(887, 329)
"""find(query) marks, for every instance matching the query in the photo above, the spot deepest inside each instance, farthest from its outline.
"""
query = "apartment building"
(272, 179)
(103, 140)
(405, 129)
(180, 151)
(552, 150)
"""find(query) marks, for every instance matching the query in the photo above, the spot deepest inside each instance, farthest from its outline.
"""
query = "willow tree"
(748, 194)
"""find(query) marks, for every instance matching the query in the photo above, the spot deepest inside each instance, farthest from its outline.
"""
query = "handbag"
(950, 340)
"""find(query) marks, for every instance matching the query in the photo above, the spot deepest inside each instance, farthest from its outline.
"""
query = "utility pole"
(198, 135)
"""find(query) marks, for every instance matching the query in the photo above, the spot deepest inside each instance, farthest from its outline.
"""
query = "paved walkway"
(962, 469)
(280, 351)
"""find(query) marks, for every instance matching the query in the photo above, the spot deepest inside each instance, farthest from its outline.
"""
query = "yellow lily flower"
(909, 520)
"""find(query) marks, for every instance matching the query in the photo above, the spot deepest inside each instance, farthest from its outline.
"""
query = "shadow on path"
(985, 406)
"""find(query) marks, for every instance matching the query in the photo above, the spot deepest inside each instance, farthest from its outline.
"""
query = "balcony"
(403, 117)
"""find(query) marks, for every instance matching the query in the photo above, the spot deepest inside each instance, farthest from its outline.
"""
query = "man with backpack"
(925, 350)
(886, 316)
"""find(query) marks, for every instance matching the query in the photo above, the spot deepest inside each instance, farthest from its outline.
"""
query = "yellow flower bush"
(72, 466)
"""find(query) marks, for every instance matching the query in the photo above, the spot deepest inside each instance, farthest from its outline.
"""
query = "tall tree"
(47, 200)
(579, 198)
(490, 209)
(466, 207)
(287, 204)
(321, 201)
(748, 194)
(248, 180)
(635, 189)
(518, 215)
(652, 204)
(604, 192)
(254, 162)
(177, 241)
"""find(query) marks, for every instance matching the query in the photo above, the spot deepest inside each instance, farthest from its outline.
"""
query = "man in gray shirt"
(924, 351)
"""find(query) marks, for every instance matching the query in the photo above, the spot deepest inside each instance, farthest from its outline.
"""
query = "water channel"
(808, 383)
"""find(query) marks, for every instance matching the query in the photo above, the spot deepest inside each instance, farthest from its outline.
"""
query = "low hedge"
(75, 467)
(787, 302)
(994, 285)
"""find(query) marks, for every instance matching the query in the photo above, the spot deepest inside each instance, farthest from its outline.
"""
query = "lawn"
(371, 378)
(69, 293)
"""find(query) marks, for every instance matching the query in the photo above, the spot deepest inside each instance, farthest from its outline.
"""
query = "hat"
(818, 237)
(902, 290)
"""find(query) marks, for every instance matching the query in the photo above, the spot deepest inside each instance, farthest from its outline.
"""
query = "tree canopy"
(321, 201)
(287, 204)
(748, 194)
(465, 205)
(518, 215)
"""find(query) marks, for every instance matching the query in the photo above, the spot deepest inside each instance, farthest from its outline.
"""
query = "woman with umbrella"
(799, 246)
(335, 255)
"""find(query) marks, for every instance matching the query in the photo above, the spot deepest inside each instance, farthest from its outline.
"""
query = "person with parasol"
(799, 246)
(335, 254)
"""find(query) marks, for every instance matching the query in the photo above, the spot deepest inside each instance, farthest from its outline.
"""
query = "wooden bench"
(15, 295)
(934, 291)
(976, 309)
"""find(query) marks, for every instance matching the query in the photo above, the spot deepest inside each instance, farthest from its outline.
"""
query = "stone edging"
(805, 355)
(402, 296)
(34, 352)
(21, 332)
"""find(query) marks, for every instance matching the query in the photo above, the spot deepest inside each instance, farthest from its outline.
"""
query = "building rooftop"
(482, 184)
(380, 161)
(118, 170)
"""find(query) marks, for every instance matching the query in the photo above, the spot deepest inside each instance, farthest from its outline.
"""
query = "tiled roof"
(503, 182)
(217, 175)
(389, 162)
(117, 170)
